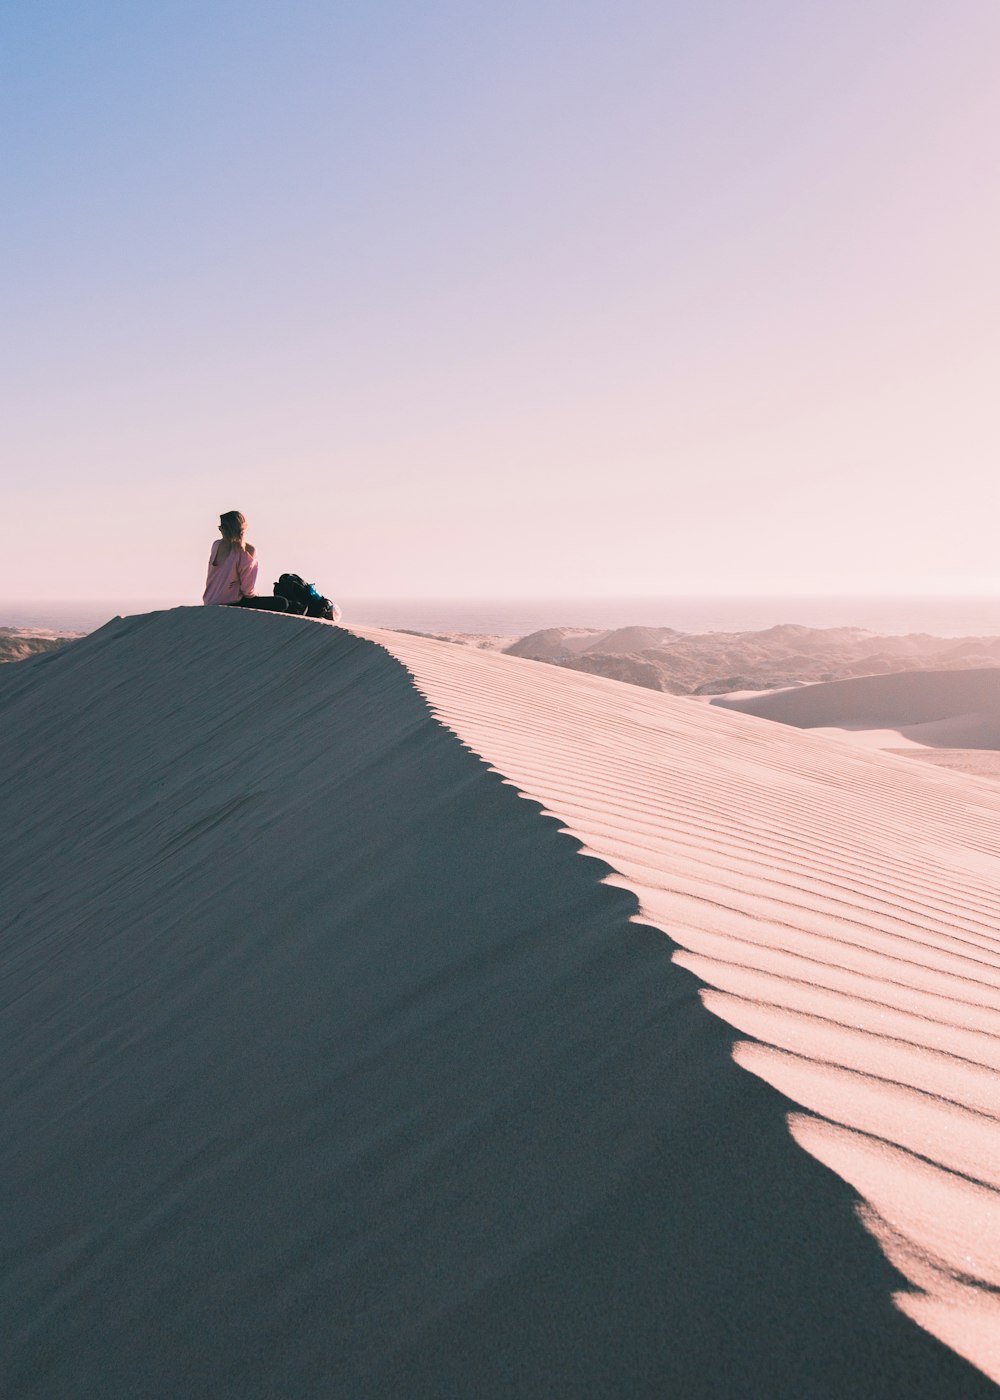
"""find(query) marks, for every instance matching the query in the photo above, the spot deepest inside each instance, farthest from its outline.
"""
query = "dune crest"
(335, 1067)
(840, 906)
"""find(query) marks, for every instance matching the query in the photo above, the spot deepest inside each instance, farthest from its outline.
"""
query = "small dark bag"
(313, 604)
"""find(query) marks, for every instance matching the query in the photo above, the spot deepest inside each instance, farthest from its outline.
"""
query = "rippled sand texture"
(843, 912)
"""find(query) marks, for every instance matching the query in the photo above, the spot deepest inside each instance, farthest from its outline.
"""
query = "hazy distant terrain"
(715, 663)
(18, 643)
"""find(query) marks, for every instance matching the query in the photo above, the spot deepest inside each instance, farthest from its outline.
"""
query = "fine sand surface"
(841, 908)
(948, 718)
(335, 1067)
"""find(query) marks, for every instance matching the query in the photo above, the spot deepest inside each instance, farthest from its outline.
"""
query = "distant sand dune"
(942, 709)
(950, 719)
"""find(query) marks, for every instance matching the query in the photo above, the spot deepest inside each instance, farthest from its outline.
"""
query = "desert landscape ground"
(713, 663)
(18, 643)
(390, 1017)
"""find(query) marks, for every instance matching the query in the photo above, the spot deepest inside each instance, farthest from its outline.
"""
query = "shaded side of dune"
(333, 1069)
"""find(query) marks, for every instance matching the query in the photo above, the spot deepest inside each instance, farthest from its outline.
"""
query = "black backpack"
(313, 604)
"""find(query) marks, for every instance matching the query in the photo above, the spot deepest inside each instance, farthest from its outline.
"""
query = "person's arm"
(211, 566)
(247, 572)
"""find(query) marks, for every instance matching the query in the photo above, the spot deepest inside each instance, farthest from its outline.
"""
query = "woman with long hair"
(232, 570)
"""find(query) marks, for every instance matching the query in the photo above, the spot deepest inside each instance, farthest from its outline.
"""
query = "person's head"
(233, 526)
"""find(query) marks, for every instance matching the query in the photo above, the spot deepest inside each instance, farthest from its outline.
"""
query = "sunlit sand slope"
(841, 909)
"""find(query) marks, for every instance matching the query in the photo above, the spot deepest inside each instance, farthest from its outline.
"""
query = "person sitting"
(232, 570)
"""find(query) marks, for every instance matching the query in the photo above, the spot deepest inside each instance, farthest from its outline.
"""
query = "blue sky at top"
(486, 299)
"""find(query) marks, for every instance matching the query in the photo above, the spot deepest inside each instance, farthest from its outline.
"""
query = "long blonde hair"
(234, 527)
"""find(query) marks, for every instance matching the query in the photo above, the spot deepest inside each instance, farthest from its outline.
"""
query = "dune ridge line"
(841, 907)
(333, 1069)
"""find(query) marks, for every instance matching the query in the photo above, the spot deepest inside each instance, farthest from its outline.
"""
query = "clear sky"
(495, 299)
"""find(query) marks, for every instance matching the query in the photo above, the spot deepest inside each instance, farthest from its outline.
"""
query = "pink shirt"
(233, 579)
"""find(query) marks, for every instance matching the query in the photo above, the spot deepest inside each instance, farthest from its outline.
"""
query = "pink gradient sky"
(540, 299)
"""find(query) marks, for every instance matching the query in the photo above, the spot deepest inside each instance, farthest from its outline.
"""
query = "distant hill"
(555, 643)
(711, 663)
(18, 643)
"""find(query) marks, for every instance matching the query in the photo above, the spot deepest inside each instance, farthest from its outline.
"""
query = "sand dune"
(841, 908)
(950, 718)
(335, 1069)
(947, 709)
